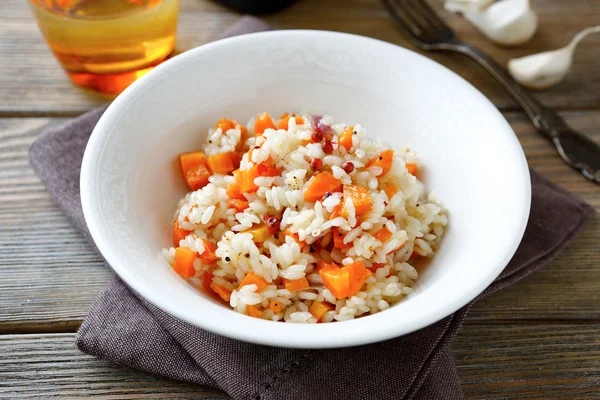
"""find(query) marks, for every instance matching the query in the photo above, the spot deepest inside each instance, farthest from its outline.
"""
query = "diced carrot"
(221, 163)
(321, 264)
(236, 158)
(296, 284)
(294, 236)
(275, 306)
(345, 138)
(337, 211)
(197, 177)
(360, 198)
(225, 124)
(336, 280)
(253, 311)
(412, 169)
(320, 184)
(178, 233)
(267, 169)
(383, 235)
(209, 256)
(239, 205)
(224, 293)
(184, 262)
(190, 160)
(384, 160)
(251, 278)
(318, 309)
(346, 281)
(246, 178)
(263, 122)
(207, 278)
(234, 193)
(285, 118)
(390, 191)
(358, 275)
(376, 266)
(260, 233)
(338, 239)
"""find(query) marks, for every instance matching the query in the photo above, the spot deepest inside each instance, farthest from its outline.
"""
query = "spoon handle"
(546, 121)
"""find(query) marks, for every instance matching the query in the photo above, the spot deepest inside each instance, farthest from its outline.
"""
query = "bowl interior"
(131, 181)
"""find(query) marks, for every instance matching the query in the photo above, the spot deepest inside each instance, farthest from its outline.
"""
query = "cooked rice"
(414, 218)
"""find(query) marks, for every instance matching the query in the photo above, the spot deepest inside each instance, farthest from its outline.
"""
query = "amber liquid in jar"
(105, 45)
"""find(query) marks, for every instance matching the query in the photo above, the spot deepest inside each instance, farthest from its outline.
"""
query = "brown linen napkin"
(123, 327)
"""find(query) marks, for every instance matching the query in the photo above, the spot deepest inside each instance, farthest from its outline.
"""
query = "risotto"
(302, 219)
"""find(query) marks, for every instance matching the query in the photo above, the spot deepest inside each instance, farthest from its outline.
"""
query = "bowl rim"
(260, 332)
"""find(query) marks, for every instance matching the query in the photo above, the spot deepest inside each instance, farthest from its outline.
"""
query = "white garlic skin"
(462, 6)
(542, 70)
(506, 22)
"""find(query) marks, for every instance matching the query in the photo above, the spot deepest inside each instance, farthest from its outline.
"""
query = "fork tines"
(419, 22)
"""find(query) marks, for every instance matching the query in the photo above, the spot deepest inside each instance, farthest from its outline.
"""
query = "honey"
(106, 44)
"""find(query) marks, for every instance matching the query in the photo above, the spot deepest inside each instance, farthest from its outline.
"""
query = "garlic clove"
(540, 71)
(461, 6)
(543, 70)
(506, 22)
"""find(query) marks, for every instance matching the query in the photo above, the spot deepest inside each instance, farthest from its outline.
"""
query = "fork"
(425, 29)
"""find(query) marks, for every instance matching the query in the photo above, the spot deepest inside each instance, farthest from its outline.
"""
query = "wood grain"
(536, 340)
(529, 361)
(32, 82)
(49, 276)
(50, 367)
(494, 362)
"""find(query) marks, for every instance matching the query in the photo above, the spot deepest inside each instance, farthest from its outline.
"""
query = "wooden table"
(538, 339)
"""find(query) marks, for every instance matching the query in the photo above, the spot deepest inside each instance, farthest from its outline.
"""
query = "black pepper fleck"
(227, 259)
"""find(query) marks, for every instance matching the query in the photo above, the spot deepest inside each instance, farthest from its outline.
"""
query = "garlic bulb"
(542, 70)
(506, 22)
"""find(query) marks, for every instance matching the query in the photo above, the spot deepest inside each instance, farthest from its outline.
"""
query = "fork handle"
(546, 121)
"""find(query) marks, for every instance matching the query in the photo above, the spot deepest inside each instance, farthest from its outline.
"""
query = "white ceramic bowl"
(130, 181)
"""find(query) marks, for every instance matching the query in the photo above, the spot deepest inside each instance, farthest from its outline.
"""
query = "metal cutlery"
(419, 23)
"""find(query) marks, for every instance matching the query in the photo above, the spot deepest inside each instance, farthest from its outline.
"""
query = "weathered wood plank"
(32, 82)
(49, 276)
(494, 362)
(51, 367)
(569, 288)
(529, 361)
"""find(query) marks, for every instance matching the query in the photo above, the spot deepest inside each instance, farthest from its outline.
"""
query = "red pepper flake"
(316, 163)
(348, 167)
(327, 147)
(272, 223)
(317, 136)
